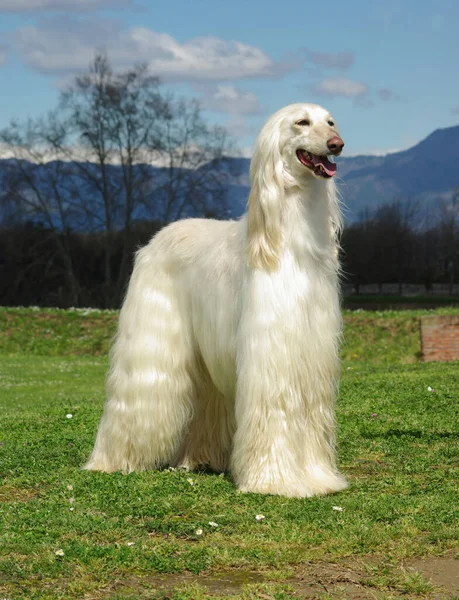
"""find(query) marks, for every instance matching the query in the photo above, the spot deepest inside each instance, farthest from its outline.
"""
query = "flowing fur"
(227, 348)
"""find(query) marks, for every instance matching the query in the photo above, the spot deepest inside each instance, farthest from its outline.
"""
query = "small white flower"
(338, 508)
(71, 508)
(70, 488)
(190, 481)
(198, 532)
(69, 416)
(130, 543)
(72, 500)
(259, 517)
(221, 475)
(59, 552)
(213, 524)
(430, 389)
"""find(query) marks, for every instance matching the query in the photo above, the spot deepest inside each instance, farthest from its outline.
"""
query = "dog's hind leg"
(149, 385)
(209, 437)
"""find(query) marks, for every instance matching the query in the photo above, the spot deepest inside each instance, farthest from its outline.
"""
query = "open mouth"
(319, 164)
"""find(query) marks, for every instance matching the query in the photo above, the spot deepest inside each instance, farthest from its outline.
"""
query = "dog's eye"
(304, 123)
(331, 123)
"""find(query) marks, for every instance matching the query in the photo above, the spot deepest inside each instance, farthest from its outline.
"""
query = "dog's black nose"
(335, 144)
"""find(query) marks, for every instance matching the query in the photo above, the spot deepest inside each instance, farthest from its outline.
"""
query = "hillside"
(427, 171)
(370, 338)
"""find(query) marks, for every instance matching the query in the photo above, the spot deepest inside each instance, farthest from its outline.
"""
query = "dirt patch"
(368, 578)
(334, 580)
(436, 578)
(442, 572)
(223, 583)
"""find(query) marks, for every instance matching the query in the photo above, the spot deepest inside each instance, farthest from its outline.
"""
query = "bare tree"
(39, 189)
(123, 119)
(192, 154)
(116, 151)
(112, 118)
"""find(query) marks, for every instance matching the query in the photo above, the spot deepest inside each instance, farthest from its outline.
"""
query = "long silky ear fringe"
(265, 200)
(336, 220)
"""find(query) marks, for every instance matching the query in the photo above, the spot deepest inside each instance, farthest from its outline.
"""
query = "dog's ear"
(265, 200)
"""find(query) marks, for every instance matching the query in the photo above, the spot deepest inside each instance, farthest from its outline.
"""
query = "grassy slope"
(397, 448)
(372, 338)
(381, 337)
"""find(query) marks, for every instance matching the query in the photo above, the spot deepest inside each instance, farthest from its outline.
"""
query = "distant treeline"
(44, 266)
(397, 244)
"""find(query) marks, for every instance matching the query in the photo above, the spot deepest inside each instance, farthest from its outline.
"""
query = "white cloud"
(238, 127)
(360, 93)
(42, 155)
(374, 152)
(340, 61)
(21, 6)
(340, 86)
(245, 152)
(229, 99)
(64, 45)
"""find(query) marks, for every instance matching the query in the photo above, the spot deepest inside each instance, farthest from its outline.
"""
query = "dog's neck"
(307, 211)
(307, 220)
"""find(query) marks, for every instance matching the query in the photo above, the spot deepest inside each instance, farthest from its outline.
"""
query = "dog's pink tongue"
(328, 166)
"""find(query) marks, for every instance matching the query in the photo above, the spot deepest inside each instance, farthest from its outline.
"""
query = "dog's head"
(296, 143)
(309, 137)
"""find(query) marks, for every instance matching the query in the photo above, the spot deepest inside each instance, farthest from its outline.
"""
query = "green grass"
(54, 332)
(380, 337)
(134, 536)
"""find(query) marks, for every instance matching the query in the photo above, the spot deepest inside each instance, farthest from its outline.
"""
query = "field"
(67, 533)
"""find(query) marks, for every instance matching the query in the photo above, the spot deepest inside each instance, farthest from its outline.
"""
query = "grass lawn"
(67, 533)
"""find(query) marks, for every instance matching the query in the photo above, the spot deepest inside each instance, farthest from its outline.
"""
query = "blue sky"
(387, 71)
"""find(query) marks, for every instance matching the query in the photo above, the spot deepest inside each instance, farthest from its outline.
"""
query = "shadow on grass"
(411, 433)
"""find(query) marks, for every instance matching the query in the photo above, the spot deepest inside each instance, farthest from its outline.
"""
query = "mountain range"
(429, 171)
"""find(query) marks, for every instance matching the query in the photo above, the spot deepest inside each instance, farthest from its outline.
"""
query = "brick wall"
(440, 338)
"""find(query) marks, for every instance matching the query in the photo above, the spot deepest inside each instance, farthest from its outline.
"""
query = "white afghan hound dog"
(227, 348)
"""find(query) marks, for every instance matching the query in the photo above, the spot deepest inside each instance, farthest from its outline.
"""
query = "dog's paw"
(324, 481)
